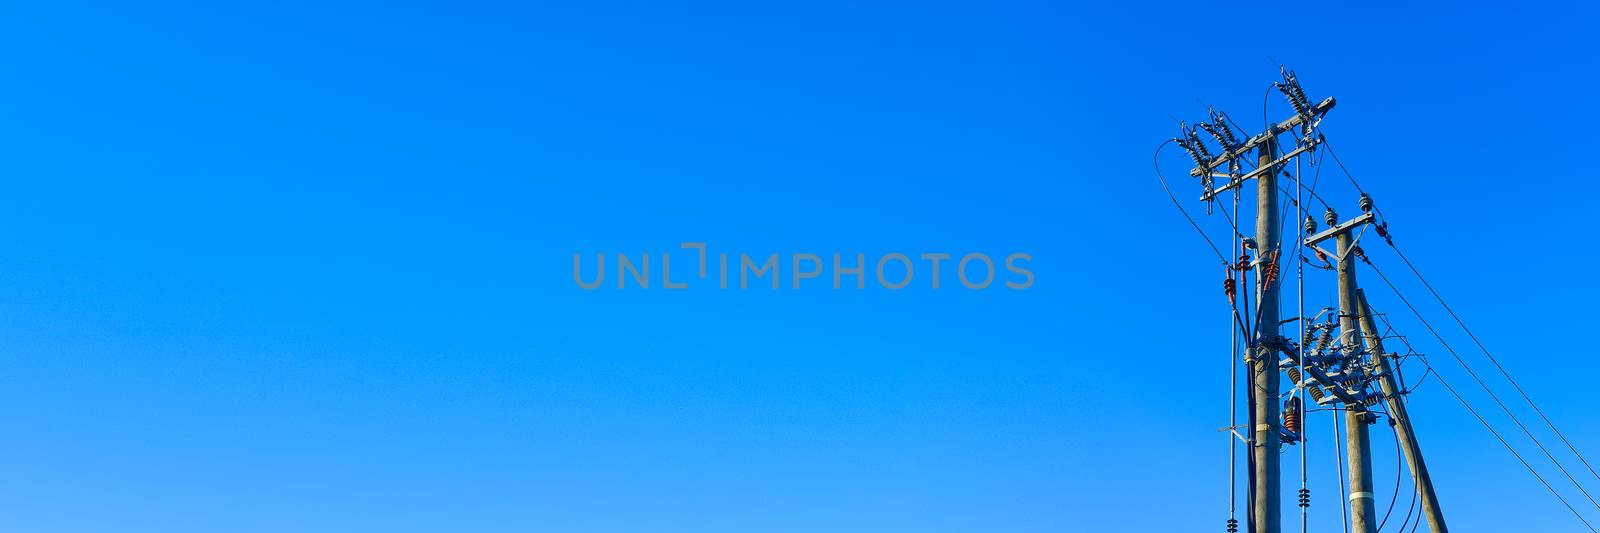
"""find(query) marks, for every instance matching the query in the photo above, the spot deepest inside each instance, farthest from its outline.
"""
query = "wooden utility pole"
(1363, 512)
(1264, 356)
(1363, 515)
(1265, 430)
(1314, 363)
(1393, 397)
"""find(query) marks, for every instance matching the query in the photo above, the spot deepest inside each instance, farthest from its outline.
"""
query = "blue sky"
(305, 266)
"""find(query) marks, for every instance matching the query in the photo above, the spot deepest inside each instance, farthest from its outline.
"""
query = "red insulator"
(1270, 273)
(1291, 415)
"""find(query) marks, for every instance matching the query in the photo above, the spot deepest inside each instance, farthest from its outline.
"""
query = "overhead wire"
(1338, 457)
(1480, 418)
(1157, 160)
(1416, 483)
(1481, 347)
(1238, 320)
(1270, 258)
(1346, 170)
(1411, 352)
(1496, 362)
(1486, 425)
(1263, 256)
(1398, 476)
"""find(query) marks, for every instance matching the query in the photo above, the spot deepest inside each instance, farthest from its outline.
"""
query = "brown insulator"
(1291, 414)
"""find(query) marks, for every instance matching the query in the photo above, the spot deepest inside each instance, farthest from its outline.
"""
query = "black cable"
(1250, 454)
(1231, 223)
(1317, 178)
(1410, 352)
(1352, 177)
(1481, 347)
(1503, 442)
(1423, 379)
(1157, 160)
(1338, 454)
(1490, 392)
(1235, 124)
(1416, 484)
(1395, 499)
(1238, 286)
(1496, 362)
(1265, 121)
(1312, 191)
(1234, 223)
(1346, 170)
(1474, 412)
(1412, 507)
(1248, 167)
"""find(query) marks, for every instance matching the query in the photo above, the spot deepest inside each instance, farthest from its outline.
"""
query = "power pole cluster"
(1338, 360)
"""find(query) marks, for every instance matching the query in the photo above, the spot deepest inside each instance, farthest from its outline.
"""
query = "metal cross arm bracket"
(1286, 125)
(1341, 228)
(1235, 182)
(1323, 379)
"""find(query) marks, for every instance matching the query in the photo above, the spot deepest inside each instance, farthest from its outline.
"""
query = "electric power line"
(1474, 412)
(1496, 362)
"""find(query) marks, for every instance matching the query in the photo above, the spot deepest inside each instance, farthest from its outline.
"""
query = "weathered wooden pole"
(1266, 508)
(1392, 396)
(1358, 457)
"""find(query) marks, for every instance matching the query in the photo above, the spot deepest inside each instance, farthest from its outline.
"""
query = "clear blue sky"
(305, 266)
